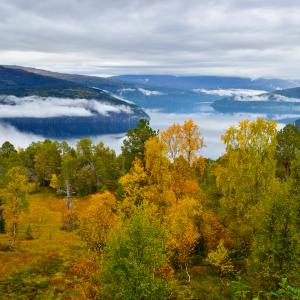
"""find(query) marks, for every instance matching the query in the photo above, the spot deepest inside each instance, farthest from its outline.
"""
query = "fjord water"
(212, 125)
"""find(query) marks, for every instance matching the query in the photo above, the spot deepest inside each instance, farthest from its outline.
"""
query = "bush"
(70, 221)
(220, 259)
(28, 233)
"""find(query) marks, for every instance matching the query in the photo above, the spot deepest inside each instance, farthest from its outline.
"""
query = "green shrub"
(28, 233)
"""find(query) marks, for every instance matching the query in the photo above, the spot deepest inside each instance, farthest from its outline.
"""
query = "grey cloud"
(255, 38)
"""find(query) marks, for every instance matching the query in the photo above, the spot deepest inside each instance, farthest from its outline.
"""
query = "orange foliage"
(87, 271)
(212, 230)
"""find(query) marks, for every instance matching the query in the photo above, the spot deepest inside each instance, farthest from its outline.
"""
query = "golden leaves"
(184, 140)
(168, 181)
(246, 175)
(184, 234)
(98, 220)
(220, 259)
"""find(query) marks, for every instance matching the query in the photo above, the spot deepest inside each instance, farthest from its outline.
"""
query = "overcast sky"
(224, 37)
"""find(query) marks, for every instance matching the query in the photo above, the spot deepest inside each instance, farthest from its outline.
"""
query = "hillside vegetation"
(158, 221)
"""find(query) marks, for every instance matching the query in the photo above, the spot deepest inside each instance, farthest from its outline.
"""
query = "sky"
(183, 37)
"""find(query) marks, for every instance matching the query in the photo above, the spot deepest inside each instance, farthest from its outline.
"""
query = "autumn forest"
(158, 221)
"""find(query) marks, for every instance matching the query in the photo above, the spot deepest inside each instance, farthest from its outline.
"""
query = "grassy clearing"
(43, 263)
(43, 268)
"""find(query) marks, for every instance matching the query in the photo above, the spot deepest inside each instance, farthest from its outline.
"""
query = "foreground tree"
(15, 202)
(85, 180)
(192, 141)
(184, 140)
(68, 176)
(133, 188)
(47, 161)
(172, 138)
(245, 176)
(183, 233)
(7, 149)
(98, 221)
(288, 147)
(276, 249)
(107, 167)
(135, 262)
(220, 259)
(133, 145)
(9, 158)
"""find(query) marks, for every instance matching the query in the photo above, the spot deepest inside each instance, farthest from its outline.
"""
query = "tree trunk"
(68, 200)
(187, 273)
(14, 236)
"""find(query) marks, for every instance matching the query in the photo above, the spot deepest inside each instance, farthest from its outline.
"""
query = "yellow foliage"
(54, 182)
(98, 220)
(183, 140)
(192, 141)
(183, 232)
(160, 181)
(156, 162)
(246, 175)
(15, 196)
(106, 198)
(172, 138)
(199, 166)
(220, 259)
(170, 186)
(133, 185)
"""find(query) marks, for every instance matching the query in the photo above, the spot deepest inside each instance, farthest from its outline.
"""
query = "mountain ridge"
(148, 97)
(59, 108)
(210, 82)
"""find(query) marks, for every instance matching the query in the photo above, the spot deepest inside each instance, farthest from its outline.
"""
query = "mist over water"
(212, 125)
(23, 139)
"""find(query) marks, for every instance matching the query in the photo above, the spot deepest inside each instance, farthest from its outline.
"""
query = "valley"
(37, 104)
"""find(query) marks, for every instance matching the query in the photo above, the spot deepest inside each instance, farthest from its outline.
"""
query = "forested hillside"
(158, 221)
(58, 108)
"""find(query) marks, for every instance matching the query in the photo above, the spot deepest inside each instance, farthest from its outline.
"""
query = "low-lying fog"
(212, 126)
(48, 107)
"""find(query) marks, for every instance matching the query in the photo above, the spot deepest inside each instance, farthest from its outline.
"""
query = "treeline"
(160, 209)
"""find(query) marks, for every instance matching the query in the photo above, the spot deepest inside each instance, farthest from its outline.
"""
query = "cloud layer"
(231, 37)
(230, 92)
(212, 126)
(48, 107)
(24, 139)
